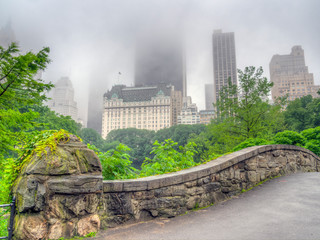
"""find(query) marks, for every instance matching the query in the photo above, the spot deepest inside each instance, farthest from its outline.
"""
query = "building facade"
(151, 108)
(206, 116)
(189, 113)
(224, 60)
(291, 76)
(62, 100)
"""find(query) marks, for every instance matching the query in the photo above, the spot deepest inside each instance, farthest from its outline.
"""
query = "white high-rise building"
(62, 101)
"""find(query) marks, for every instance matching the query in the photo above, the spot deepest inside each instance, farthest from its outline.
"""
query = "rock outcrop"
(58, 193)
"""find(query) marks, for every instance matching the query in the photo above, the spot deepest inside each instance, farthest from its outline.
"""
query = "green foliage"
(50, 120)
(289, 137)
(39, 144)
(311, 133)
(313, 137)
(250, 143)
(92, 234)
(303, 113)
(167, 159)
(92, 137)
(17, 71)
(243, 110)
(139, 140)
(116, 163)
(3, 222)
(313, 146)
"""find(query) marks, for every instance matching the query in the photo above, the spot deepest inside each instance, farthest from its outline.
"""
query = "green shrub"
(116, 163)
(313, 146)
(250, 143)
(311, 133)
(167, 159)
(289, 137)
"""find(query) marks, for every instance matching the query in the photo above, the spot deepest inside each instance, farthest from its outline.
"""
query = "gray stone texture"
(58, 193)
(173, 194)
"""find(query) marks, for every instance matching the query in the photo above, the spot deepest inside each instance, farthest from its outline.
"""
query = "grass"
(3, 224)
(259, 183)
(92, 234)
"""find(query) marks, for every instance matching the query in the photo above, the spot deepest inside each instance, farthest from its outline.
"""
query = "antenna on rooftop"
(119, 73)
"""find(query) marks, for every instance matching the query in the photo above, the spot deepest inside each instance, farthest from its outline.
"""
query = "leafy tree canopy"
(17, 73)
(303, 113)
(244, 109)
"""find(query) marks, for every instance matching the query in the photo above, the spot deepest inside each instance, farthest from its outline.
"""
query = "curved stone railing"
(172, 194)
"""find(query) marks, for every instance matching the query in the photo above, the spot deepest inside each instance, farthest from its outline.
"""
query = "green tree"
(92, 137)
(138, 140)
(244, 109)
(303, 113)
(18, 88)
(116, 163)
(17, 76)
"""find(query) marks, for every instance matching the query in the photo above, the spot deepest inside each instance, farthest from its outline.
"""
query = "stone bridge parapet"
(173, 194)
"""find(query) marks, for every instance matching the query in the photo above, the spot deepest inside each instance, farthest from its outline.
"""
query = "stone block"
(88, 161)
(212, 187)
(30, 226)
(88, 224)
(76, 184)
(252, 176)
(59, 163)
(112, 186)
(135, 185)
(191, 184)
(187, 177)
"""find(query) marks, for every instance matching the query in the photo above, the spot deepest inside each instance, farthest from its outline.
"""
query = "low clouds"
(91, 41)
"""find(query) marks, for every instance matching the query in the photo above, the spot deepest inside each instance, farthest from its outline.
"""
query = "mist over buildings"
(92, 41)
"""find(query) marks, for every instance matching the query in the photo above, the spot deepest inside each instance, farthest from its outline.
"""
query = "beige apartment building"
(151, 108)
(291, 76)
(206, 116)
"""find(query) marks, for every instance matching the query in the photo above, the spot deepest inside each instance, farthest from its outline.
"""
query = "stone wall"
(58, 193)
(173, 194)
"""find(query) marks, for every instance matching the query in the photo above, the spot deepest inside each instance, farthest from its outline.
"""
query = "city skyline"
(93, 49)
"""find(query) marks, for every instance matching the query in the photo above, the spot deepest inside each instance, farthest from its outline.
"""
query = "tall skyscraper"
(62, 100)
(160, 59)
(209, 90)
(224, 60)
(291, 76)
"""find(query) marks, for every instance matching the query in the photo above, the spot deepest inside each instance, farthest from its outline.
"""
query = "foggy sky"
(91, 41)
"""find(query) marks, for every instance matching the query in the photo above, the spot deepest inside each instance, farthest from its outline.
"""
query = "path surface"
(283, 208)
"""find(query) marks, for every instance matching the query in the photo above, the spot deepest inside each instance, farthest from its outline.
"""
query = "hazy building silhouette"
(291, 76)
(160, 59)
(95, 105)
(62, 100)
(209, 95)
(224, 60)
(7, 35)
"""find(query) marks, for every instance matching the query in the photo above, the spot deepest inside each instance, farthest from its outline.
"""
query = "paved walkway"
(283, 208)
